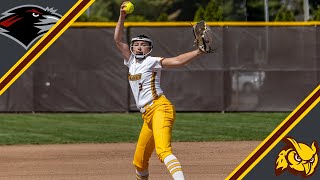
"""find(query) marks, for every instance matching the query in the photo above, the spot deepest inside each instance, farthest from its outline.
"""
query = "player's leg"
(174, 167)
(145, 147)
(163, 120)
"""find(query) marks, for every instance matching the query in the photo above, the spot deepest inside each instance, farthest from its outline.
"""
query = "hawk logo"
(297, 158)
(25, 24)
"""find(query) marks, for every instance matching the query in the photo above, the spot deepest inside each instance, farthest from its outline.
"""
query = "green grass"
(112, 127)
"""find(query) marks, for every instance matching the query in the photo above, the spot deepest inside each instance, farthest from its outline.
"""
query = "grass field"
(112, 127)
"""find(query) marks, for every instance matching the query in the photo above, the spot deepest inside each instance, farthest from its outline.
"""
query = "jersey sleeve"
(158, 62)
(128, 63)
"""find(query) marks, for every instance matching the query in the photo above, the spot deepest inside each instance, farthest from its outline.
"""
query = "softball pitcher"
(158, 113)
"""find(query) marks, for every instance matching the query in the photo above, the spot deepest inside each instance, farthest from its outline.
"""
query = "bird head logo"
(297, 158)
(25, 24)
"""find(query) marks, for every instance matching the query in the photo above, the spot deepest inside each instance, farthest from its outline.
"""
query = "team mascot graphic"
(25, 24)
(297, 158)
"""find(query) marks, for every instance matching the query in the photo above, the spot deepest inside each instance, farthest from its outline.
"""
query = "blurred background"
(256, 67)
(208, 10)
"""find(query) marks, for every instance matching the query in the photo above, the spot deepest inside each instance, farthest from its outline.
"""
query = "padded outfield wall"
(256, 67)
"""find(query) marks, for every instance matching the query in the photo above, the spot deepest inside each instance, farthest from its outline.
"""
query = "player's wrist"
(122, 16)
(199, 51)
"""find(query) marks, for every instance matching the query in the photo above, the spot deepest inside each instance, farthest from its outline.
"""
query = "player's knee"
(163, 155)
(140, 166)
(140, 163)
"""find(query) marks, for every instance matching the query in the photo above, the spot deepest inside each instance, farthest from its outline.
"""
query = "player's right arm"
(118, 35)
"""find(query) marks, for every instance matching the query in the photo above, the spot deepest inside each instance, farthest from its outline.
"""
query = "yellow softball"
(129, 7)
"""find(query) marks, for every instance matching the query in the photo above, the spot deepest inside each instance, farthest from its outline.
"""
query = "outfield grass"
(112, 127)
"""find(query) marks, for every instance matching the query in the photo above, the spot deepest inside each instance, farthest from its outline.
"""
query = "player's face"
(141, 47)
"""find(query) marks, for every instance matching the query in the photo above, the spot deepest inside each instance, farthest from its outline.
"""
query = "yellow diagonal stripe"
(280, 137)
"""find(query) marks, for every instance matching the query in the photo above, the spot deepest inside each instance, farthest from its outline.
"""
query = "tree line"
(208, 10)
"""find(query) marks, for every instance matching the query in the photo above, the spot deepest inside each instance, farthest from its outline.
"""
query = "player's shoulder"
(155, 62)
(153, 58)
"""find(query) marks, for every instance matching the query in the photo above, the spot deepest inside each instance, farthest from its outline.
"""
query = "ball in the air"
(129, 7)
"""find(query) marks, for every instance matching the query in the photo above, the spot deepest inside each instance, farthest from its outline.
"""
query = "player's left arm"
(181, 60)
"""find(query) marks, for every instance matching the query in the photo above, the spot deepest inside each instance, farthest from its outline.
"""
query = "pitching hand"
(122, 11)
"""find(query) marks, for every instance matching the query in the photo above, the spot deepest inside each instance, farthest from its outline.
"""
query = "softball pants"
(155, 133)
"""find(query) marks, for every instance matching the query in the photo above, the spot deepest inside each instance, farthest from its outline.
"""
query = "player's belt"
(143, 109)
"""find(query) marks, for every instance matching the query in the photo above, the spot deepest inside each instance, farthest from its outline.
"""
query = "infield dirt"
(200, 161)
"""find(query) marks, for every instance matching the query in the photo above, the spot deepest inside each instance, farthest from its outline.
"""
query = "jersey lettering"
(134, 77)
(144, 79)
